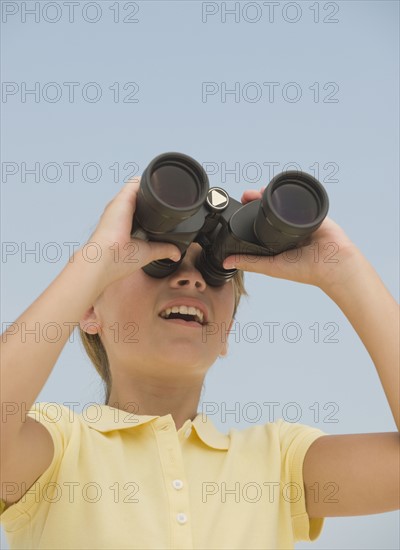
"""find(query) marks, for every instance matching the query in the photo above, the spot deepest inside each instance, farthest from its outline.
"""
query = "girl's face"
(137, 337)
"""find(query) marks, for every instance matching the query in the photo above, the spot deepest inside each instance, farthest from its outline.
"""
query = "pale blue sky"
(151, 76)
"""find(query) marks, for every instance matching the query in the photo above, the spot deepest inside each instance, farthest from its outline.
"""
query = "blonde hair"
(98, 355)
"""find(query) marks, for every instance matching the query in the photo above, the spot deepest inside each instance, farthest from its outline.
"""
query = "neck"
(157, 398)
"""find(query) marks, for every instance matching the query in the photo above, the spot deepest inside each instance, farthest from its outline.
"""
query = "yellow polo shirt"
(120, 480)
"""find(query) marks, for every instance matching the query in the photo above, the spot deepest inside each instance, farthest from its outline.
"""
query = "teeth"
(186, 310)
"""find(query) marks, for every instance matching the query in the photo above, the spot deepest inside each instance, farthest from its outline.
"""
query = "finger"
(247, 262)
(135, 180)
(124, 203)
(272, 266)
(159, 251)
(250, 195)
(130, 188)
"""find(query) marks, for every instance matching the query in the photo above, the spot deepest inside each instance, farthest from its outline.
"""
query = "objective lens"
(295, 204)
(175, 186)
(172, 190)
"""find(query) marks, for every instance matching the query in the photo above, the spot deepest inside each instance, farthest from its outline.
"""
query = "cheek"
(126, 323)
(226, 303)
(128, 301)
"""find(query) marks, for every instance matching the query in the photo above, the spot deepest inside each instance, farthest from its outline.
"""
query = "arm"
(364, 467)
(27, 361)
(26, 364)
(374, 315)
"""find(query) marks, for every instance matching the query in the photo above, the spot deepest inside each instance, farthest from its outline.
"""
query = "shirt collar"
(103, 418)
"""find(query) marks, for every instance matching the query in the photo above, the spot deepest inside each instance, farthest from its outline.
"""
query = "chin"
(186, 355)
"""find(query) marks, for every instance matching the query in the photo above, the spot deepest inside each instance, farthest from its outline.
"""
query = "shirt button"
(182, 518)
(188, 432)
(177, 483)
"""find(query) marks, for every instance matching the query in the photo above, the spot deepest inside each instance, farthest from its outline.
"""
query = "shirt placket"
(176, 484)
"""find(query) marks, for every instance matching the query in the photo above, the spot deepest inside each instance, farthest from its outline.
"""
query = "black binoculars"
(175, 204)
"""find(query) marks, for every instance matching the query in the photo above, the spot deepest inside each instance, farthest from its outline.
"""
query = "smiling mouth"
(190, 315)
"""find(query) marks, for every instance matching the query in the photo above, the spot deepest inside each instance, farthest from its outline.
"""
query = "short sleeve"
(295, 441)
(58, 420)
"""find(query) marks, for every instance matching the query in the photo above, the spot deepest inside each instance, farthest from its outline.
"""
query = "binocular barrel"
(175, 204)
(294, 205)
(173, 188)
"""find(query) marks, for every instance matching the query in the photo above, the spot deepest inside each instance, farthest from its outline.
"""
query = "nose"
(187, 275)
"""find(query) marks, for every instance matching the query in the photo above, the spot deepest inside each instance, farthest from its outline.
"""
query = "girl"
(146, 470)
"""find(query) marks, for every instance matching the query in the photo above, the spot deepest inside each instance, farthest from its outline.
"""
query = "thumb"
(266, 265)
(159, 251)
(246, 262)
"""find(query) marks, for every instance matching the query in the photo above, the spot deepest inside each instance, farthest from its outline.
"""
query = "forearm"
(31, 345)
(374, 314)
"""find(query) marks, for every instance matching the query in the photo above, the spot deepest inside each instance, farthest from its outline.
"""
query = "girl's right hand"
(122, 255)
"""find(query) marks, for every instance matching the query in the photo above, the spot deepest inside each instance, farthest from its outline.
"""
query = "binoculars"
(175, 204)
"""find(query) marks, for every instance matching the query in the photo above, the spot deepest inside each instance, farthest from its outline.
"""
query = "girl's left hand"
(323, 263)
